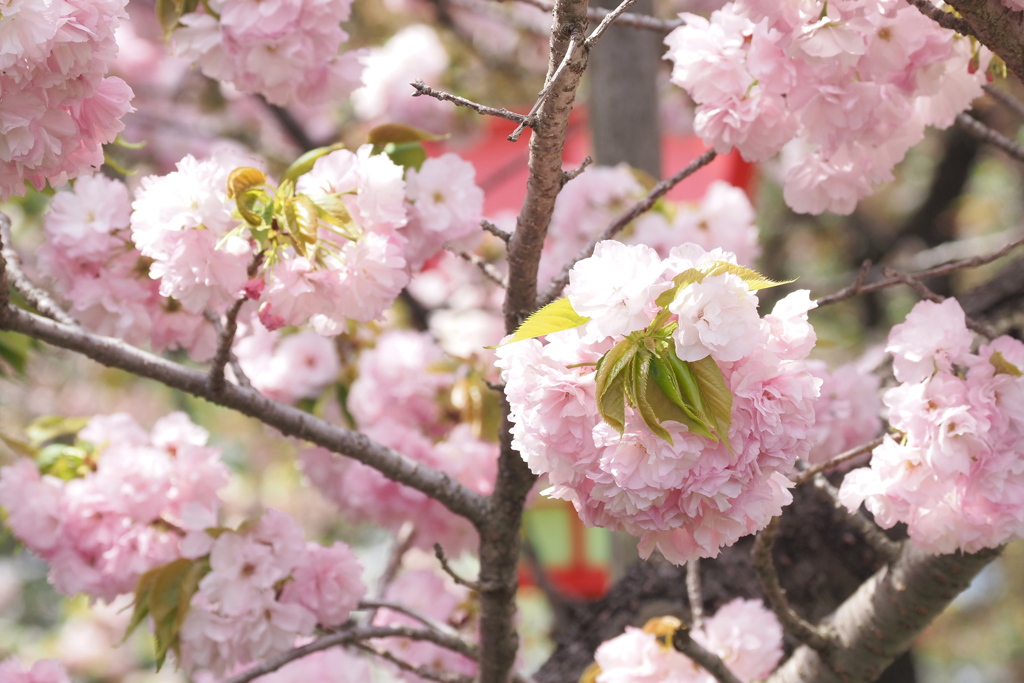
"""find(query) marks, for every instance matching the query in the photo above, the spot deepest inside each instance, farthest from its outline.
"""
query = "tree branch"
(627, 19)
(606, 21)
(421, 671)
(997, 27)
(859, 287)
(1006, 99)
(816, 637)
(423, 89)
(943, 19)
(711, 662)
(16, 278)
(882, 544)
(656, 193)
(880, 621)
(979, 130)
(809, 473)
(286, 419)
(694, 593)
(349, 637)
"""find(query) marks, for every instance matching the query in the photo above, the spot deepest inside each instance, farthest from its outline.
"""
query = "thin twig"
(882, 544)
(373, 605)
(708, 660)
(858, 287)
(225, 337)
(925, 293)
(569, 175)
(627, 19)
(291, 126)
(1005, 99)
(236, 368)
(943, 19)
(424, 89)
(850, 454)
(421, 671)
(694, 593)
(596, 34)
(979, 130)
(817, 638)
(17, 279)
(492, 273)
(570, 53)
(439, 553)
(496, 231)
(656, 193)
(349, 637)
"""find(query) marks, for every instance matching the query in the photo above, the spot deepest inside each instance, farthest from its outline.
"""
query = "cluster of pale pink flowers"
(355, 234)
(117, 506)
(685, 489)
(591, 202)
(285, 50)
(847, 414)
(844, 88)
(410, 397)
(43, 671)
(745, 635)
(59, 108)
(266, 587)
(953, 473)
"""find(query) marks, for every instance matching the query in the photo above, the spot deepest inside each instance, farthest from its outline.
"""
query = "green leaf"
(397, 133)
(14, 350)
(555, 317)
(666, 399)
(406, 154)
(640, 376)
(164, 594)
(715, 396)
(51, 427)
(305, 162)
(610, 380)
(63, 461)
(1003, 366)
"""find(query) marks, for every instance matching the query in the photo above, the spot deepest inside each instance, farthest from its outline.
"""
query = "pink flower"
(328, 584)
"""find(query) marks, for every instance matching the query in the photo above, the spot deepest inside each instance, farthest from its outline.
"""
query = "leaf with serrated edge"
(754, 280)
(555, 317)
(691, 392)
(243, 179)
(715, 395)
(143, 587)
(665, 398)
(640, 378)
(610, 380)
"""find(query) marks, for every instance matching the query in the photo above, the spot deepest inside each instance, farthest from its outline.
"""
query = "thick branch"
(997, 27)
(709, 661)
(879, 622)
(288, 420)
(14, 276)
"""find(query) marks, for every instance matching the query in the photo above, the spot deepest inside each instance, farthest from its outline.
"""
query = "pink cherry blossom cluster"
(404, 397)
(691, 497)
(127, 509)
(59, 107)
(746, 636)
(186, 234)
(843, 88)
(284, 367)
(591, 202)
(439, 599)
(266, 587)
(285, 50)
(849, 412)
(43, 671)
(953, 474)
(95, 266)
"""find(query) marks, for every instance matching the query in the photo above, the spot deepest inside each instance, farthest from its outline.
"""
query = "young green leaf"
(715, 396)
(610, 383)
(555, 317)
(666, 399)
(304, 164)
(640, 378)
